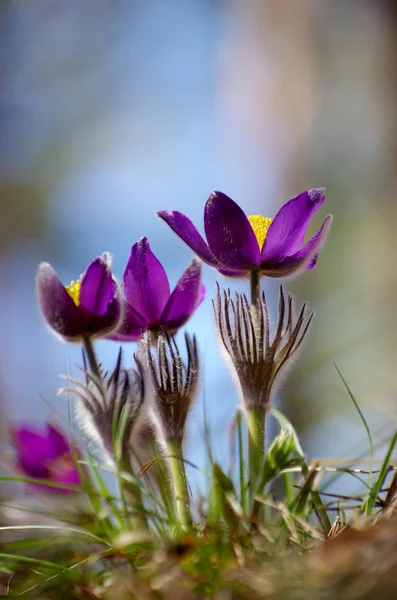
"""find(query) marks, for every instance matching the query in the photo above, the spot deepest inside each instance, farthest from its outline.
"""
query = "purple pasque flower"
(90, 307)
(150, 304)
(237, 245)
(45, 455)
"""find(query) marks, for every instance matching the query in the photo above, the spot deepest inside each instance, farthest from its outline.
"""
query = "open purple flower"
(150, 304)
(45, 456)
(237, 245)
(90, 307)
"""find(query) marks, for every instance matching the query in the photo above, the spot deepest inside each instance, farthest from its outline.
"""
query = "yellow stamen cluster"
(74, 291)
(260, 225)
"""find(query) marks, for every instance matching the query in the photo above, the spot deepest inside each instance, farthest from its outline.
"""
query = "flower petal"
(97, 287)
(145, 282)
(229, 233)
(33, 445)
(57, 442)
(131, 326)
(236, 274)
(32, 467)
(301, 260)
(286, 233)
(185, 298)
(102, 326)
(185, 229)
(57, 307)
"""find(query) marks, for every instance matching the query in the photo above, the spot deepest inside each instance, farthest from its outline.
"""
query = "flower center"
(60, 464)
(260, 225)
(74, 291)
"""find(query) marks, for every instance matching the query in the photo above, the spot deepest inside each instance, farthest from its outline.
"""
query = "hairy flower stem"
(179, 481)
(243, 489)
(256, 446)
(91, 357)
(255, 294)
(255, 416)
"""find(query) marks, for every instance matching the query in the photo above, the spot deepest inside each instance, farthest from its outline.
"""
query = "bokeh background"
(111, 110)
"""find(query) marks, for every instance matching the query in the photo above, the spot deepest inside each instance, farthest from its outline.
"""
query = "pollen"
(74, 291)
(260, 225)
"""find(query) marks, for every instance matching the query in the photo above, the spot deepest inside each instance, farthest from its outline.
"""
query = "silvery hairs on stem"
(258, 363)
(174, 384)
(108, 410)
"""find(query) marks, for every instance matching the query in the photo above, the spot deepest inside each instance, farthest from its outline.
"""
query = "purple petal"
(312, 263)
(287, 232)
(102, 326)
(57, 307)
(185, 229)
(201, 295)
(301, 260)
(57, 442)
(236, 274)
(229, 233)
(97, 287)
(131, 327)
(31, 468)
(145, 282)
(185, 298)
(29, 443)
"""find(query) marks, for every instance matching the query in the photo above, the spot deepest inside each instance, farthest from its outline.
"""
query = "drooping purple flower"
(237, 245)
(45, 455)
(90, 307)
(150, 304)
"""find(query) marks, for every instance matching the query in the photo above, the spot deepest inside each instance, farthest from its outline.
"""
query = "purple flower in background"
(45, 456)
(150, 304)
(237, 245)
(90, 307)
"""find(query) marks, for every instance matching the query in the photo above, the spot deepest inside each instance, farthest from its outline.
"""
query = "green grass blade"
(243, 485)
(37, 561)
(370, 441)
(370, 501)
(56, 528)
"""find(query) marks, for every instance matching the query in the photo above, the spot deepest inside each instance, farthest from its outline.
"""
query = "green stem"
(255, 416)
(243, 488)
(178, 474)
(91, 357)
(256, 446)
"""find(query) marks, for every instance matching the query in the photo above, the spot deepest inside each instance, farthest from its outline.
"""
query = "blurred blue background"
(109, 111)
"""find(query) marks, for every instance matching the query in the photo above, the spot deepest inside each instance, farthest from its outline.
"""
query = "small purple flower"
(90, 307)
(45, 456)
(150, 304)
(237, 244)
